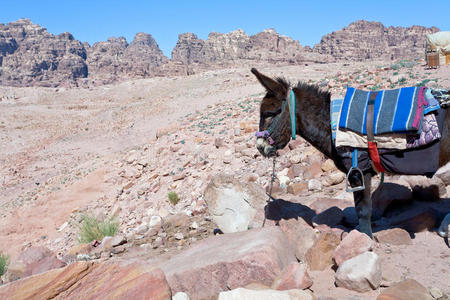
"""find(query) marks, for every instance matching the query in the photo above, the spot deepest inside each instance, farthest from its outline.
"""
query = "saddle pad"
(400, 141)
(419, 161)
(398, 110)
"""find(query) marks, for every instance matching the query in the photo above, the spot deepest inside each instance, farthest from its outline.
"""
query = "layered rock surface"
(29, 55)
(363, 40)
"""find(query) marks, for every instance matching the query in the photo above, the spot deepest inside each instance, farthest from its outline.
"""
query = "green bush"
(4, 259)
(173, 197)
(92, 229)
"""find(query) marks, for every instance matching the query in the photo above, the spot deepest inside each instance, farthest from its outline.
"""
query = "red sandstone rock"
(300, 235)
(86, 280)
(297, 188)
(394, 236)
(415, 220)
(361, 273)
(323, 204)
(33, 261)
(229, 261)
(313, 171)
(295, 276)
(320, 255)
(352, 245)
(405, 290)
(295, 170)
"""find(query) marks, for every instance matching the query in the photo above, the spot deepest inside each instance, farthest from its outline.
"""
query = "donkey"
(312, 115)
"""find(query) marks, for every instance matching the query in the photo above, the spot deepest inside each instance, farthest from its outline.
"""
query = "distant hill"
(29, 55)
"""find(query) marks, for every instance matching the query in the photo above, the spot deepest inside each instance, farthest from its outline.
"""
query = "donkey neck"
(312, 111)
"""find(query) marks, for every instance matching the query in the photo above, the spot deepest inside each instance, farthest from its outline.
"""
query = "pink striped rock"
(352, 245)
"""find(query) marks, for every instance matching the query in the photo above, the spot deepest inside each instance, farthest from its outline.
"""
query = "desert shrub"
(93, 229)
(402, 80)
(4, 259)
(402, 64)
(423, 82)
(173, 197)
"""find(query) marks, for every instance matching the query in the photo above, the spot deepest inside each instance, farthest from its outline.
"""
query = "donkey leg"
(363, 203)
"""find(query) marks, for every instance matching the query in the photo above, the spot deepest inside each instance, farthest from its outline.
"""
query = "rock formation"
(29, 55)
(363, 40)
(116, 59)
(237, 48)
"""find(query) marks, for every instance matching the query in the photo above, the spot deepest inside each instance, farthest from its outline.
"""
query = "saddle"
(389, 129)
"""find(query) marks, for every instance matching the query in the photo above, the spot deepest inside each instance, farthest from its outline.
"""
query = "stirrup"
(350, 189)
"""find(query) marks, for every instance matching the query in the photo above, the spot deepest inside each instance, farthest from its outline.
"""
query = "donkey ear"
(271, 85)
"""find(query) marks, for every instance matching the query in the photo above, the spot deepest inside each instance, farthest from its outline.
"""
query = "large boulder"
(427, 189)
(361, 273)
(87, 280)
(352, 245)
(248, 294)
(415, 219)
(393, 236)
(295, 276)
(33, 261)
(300, 235)
(444, 174)
(232, 204)
(229, 261)
(320, 255)
(398, 191)
(405, 290)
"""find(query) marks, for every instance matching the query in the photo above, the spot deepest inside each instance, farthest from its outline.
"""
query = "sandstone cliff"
(116, 59)
(29, 55)
(237, 48)
(363, 40)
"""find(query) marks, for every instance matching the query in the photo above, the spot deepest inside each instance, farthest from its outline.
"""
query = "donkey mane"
(312, 89)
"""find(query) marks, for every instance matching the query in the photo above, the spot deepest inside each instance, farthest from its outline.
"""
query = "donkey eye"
(271, 114)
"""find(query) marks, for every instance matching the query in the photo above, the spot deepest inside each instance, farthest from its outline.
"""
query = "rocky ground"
(118, 150)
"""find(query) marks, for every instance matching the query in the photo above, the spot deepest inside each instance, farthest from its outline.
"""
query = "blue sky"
(305, 21)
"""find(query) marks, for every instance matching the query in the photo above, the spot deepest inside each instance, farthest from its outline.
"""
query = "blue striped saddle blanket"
(399, 110)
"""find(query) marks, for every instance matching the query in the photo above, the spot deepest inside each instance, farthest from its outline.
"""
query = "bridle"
(271, 135)
(275, 127)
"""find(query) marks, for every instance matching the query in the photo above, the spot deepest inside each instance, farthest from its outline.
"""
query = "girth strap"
(371, 144)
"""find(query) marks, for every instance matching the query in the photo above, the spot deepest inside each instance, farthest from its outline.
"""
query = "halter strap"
(291, 103)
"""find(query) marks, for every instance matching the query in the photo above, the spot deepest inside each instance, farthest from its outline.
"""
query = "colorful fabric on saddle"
(399, 141)
(399, 110)
(442, 96)
(418, 161)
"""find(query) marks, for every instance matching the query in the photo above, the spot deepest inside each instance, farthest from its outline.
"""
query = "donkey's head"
(274, 120)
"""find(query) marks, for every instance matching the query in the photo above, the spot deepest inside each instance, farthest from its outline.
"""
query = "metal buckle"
(350, 189)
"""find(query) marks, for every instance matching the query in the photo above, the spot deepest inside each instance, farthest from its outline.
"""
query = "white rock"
(180, 296)
(141, 229)
(242, 293)
(163, 212)
(232, 204)
(155, 221)
(194, 225)
(361, 273)
(436, 293)
(296, 158)
(63, 226)
(178, 236)
(314, 185)
(284, 181)
(444, 174)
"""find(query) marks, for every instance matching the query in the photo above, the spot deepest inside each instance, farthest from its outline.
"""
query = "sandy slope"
(59, 148)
